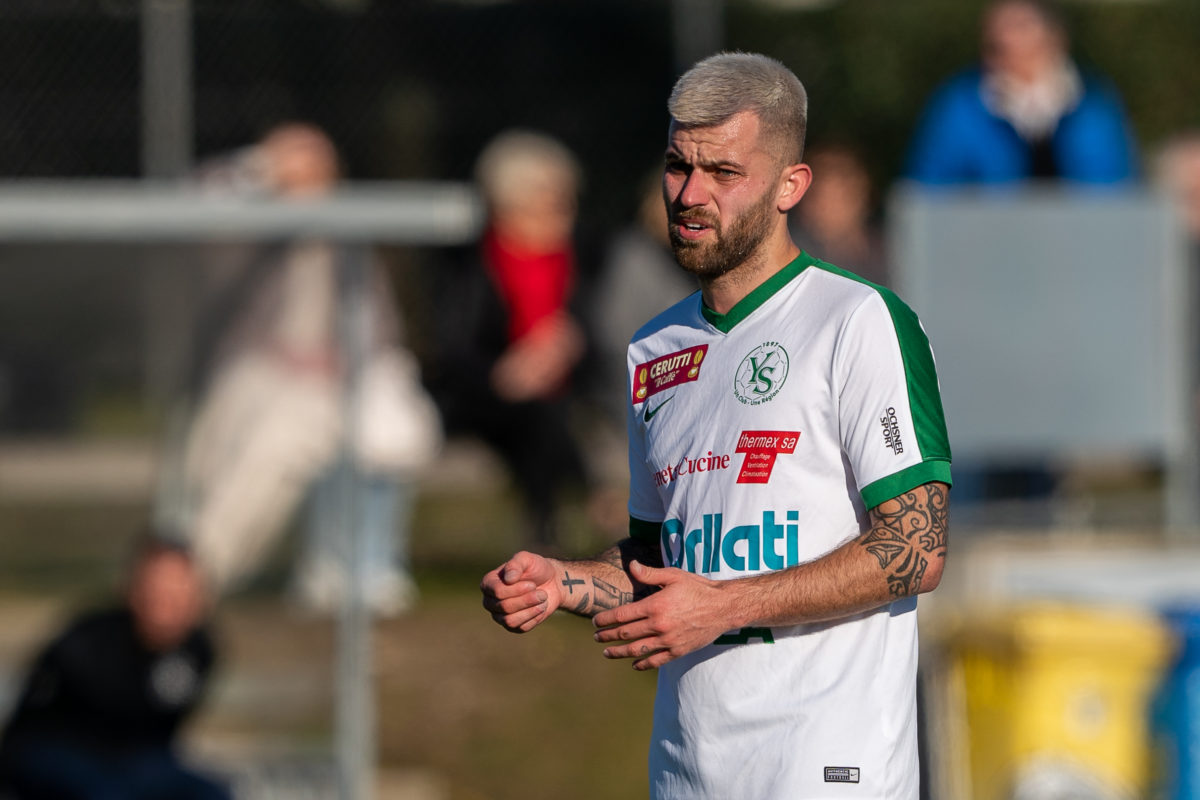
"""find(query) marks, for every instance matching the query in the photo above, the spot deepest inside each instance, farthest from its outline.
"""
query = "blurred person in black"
(509, 340)
(102, 706)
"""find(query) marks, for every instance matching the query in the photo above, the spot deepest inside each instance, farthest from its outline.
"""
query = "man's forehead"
(739, 132)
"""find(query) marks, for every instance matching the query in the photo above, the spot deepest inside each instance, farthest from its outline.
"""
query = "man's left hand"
(686, 613)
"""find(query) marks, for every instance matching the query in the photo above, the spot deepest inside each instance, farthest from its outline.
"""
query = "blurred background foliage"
(870, 65)
(413, 89)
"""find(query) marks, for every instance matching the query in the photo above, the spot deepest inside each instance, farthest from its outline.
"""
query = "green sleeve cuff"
(885, 489)
(642, 531)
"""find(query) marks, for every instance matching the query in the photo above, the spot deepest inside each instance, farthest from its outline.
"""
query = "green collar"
(759, 295)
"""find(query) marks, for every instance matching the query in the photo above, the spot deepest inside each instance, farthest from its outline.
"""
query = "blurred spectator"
(1177, 171)
(103, 704)
(1027, 112)
(270, 383)
(834, 219)
(509, 341)
(639, 278)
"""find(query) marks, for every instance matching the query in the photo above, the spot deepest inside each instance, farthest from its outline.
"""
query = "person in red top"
(508, 340)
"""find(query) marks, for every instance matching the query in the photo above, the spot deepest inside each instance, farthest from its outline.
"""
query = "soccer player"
(789, 477)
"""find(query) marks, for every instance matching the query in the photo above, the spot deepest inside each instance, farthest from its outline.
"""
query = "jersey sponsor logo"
(650, 412)
(666, 371)
(891, 431)
(743, 548)
(761, 374)
(761, 448)
(841, 774)
(690, 466)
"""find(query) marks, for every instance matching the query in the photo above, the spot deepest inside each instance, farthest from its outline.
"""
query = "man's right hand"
(522, 592)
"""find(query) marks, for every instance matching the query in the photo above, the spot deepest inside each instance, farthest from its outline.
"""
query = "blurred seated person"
(833, 221)
(1026, 113)
(509, 340)
(102, 707)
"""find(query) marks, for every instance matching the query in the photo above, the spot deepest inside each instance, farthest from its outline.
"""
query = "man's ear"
(794, 182)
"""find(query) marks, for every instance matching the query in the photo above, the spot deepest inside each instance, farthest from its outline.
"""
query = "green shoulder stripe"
(895, 485)
(924, 397)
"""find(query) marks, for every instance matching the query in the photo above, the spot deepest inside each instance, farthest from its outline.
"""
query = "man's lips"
(688, 228)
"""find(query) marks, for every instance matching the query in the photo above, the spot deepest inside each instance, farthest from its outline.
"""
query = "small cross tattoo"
(570, 583)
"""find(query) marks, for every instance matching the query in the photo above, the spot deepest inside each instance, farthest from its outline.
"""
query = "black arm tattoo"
(570, 583)
(609, 596)
(605, 594)
(584, 603)
(907, 532)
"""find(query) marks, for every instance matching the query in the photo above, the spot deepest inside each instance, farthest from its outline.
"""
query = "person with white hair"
(789, 474)
(509, 340)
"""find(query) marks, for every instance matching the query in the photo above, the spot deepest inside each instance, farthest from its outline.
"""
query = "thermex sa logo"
(761, 374)
(761, 448)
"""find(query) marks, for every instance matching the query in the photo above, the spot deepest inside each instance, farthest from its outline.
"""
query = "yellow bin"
(1056, 702)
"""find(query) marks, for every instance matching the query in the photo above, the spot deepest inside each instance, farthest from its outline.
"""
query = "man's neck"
(725, 291)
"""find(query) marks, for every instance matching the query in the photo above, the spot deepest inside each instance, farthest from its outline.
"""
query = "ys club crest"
(761, 374)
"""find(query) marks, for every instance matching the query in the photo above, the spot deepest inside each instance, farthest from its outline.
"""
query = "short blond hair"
(520, 163)
(725, 84)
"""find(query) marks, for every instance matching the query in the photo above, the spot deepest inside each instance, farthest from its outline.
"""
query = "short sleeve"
(645, 504)
(889, 403)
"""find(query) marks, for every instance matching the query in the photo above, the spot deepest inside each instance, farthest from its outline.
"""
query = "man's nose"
(694, 191)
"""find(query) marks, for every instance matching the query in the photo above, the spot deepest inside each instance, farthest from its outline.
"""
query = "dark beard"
(731, 249)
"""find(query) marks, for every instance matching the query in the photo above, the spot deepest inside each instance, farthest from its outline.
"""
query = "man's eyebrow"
(719, 163)
(674, 157)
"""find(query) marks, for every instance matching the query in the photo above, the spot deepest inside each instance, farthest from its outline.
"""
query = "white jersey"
(758, 439)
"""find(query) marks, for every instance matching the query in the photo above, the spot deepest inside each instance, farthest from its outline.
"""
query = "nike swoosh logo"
(649, 413)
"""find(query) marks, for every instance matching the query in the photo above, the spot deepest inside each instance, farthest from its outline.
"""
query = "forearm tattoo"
(590, 595)
(907, 534)
(609, 596)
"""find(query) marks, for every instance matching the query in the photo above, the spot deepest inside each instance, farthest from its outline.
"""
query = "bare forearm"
(900, 555)
(590, 586)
